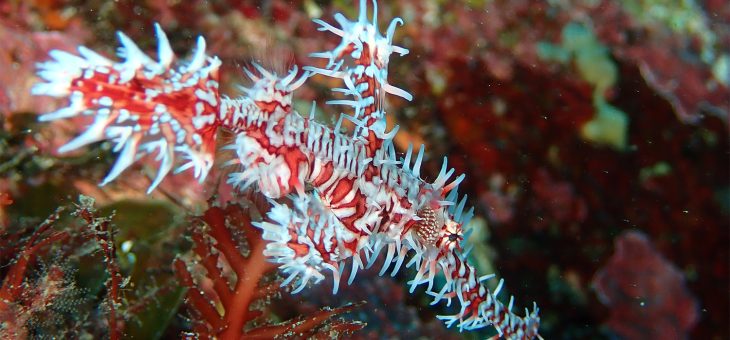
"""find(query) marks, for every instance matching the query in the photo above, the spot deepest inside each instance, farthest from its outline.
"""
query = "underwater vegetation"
(593, 136)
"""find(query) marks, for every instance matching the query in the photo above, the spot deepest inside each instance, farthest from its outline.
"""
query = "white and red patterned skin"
(142, 106)
(336, 197)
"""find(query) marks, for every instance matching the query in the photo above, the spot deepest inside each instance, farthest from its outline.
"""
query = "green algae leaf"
(608, 127)
(593, 62)
(591, 57)
(152, 322)
(552, 52)
(147, 240)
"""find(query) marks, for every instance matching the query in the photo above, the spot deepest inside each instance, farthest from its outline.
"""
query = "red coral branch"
(104, 236)
(12, 285)
(249, 270)
(197, 299)
(210, 262)
(13, 290)
(303, 326)
(247, 261)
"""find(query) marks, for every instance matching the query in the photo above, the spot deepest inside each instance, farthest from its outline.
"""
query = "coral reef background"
(594, 136)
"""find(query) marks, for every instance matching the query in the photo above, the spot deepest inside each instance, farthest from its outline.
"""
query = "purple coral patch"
(646, 293)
